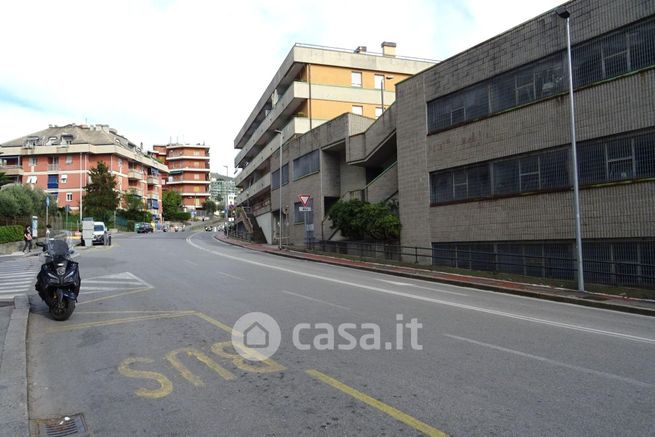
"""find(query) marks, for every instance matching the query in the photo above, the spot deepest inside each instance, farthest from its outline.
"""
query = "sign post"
(304, 200)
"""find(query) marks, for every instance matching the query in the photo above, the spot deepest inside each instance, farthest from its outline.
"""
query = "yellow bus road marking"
(165, 384)
(381, 406)
(113, 296)
(200, 356)
(133, 312)
(116, 321)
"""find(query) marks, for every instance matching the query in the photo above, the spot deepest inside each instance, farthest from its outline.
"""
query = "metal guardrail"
(618, 273)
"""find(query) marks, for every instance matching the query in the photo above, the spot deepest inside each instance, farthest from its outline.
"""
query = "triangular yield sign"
(304, 198)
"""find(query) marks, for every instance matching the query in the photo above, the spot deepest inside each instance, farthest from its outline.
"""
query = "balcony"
(153, 180)
(53, 167)
(297, 125)
(259, 186)
(135, 174)
(295, 95)
(12, 169)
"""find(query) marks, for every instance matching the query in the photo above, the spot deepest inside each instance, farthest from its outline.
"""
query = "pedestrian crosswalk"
(124, 281)
(17, 276)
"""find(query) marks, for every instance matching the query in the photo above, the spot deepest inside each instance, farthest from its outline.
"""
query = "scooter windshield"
(59, 244)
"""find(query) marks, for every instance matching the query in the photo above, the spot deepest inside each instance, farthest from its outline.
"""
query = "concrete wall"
(384, 186)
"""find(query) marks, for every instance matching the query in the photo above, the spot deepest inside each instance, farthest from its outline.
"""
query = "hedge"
(9, 234)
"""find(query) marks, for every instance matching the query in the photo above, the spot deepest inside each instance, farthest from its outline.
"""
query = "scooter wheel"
(63, 314)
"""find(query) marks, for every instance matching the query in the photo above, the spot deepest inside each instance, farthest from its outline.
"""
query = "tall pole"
(225, 191)
(382, 93)
(280, 188)
(576, 193)
(81, 190)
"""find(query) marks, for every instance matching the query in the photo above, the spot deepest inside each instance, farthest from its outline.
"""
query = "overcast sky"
(193, 70)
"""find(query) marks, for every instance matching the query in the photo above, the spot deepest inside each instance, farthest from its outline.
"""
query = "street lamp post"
(280, 187)
(225, 191)
(382, 86)
(565, 14)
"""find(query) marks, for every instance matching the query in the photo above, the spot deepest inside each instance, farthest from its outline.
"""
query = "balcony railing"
(152, 180)
(53, 167)
(134, 174)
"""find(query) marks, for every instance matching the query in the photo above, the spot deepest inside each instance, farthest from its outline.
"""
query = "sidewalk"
(13, 368)
(596, 300)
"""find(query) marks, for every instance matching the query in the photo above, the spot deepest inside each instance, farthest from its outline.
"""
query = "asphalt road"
(147, 352)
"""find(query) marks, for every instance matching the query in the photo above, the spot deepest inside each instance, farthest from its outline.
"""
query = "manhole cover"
(62, 426)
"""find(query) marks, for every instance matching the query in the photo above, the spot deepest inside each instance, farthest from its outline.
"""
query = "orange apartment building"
(188, 172)
(58, 159)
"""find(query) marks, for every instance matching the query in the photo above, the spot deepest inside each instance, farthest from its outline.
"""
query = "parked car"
(101, 234)
(143, 228)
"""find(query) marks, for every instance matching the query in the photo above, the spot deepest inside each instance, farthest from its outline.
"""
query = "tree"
(209, 206)
(4, 179)
(20, 201)
(359, 220)
(101, 198)
(135, 208)
(171, 204)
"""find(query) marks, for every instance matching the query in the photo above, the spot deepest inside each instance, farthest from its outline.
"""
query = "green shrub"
(359, 220)
(9, 234)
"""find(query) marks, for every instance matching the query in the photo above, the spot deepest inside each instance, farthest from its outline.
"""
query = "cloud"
(193, 70)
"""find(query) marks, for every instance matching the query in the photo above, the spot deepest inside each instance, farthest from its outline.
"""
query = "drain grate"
(62, 426)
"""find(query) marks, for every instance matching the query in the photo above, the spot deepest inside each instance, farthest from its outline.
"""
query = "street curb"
(517, 292)
(14, 418)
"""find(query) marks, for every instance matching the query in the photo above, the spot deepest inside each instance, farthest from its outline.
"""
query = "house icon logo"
(256, 336)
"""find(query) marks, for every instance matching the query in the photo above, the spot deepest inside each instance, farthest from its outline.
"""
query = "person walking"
(27, 237)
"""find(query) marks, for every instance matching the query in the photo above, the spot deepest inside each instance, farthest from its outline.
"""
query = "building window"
(275, 177)
(196, 176)
(120, 164)
(69, 197)
(356, 79)
(616, 158)
(306, 164)
(69, 159)
(359, 110)
(31, 179)
(196, 153)
(34, 161)
(63, 178)
(378, 111)
(602, 58)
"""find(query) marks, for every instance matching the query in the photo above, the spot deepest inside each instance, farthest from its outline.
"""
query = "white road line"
(111, 281)
(190, 262)
(314, 299)
(407, 284)
(231, 276)
(553, 362)
(432, 300)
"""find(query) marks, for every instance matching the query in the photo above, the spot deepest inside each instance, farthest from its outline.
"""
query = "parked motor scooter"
(58, 282)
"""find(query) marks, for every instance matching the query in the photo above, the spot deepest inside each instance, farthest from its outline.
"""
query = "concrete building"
(477, 151)
(313, 85)
(188, 172)
(58, 159)
(484, 148)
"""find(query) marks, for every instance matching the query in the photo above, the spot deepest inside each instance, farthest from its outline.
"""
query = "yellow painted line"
(379, 405)
(113, 296)
(115, 322)
(214, 322)
(165, 384)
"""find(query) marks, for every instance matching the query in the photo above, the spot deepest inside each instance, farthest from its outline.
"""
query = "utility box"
(87, 231)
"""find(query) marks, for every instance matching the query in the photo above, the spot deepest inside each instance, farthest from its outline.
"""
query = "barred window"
(306, 164)
(275, 177)
(601, 58)
(612, 159)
